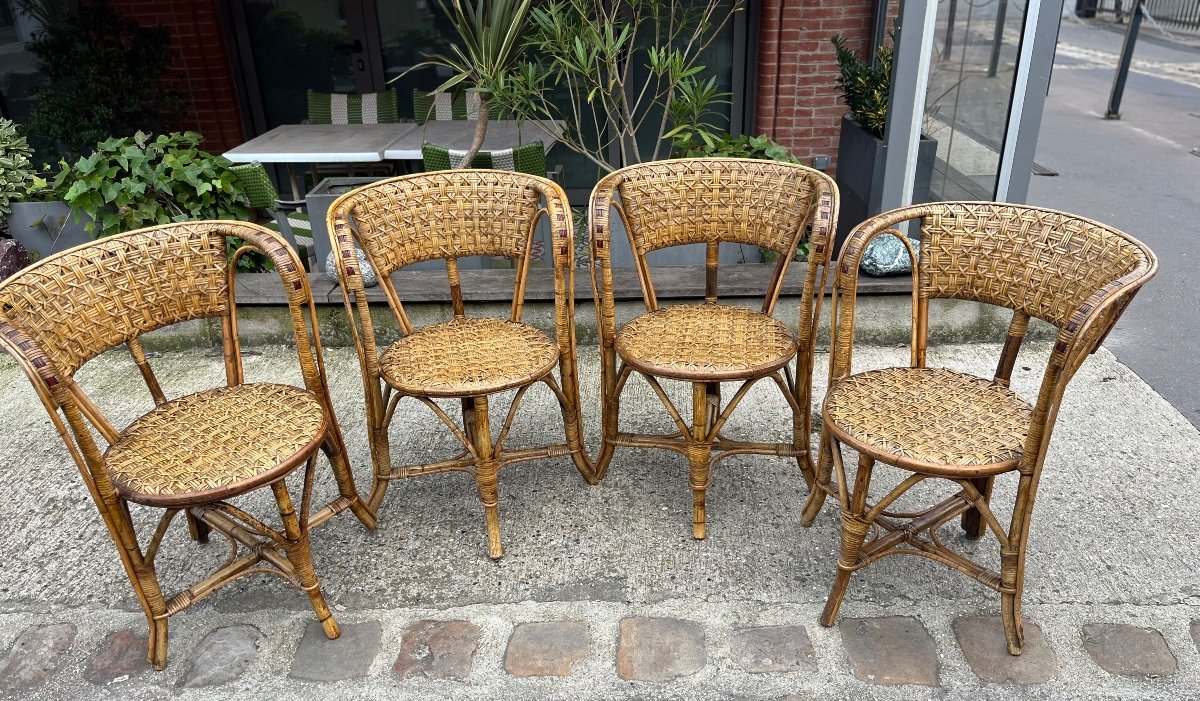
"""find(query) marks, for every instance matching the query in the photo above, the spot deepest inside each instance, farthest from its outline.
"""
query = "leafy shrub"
(143, 180)
(865, 87)
(104, 76)
(15, 169)
(760, 147)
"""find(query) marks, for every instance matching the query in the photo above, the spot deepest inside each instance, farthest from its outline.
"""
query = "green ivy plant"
(142, 180)
(16, 171)
(865, 86)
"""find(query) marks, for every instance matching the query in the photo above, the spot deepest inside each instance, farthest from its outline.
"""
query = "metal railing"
(1173, 14)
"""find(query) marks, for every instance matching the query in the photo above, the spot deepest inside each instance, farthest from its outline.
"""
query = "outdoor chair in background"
(191, 454)
(365, 108)
(467, 360)
(937, 424)
(287, 216)
(709, 201)
(447, 106)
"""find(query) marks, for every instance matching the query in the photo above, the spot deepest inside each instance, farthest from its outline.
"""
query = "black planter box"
(860, 175)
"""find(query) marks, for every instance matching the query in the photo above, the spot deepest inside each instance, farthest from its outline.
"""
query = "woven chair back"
(259, 189)
(682, 201)
(441, 215)
(365, 108)
(79, 303)
(1040, 262)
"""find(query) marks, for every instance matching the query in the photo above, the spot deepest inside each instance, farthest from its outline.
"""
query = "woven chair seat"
(215, 444)
(933, 421)
(468, 358)
(709, 342)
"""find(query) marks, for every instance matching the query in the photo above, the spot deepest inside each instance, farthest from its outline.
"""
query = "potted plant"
(492, 33)
(16, 172)
(866, 89)
(137, 181)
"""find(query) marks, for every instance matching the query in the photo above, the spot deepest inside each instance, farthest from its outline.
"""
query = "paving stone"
(1128, 651)
(221, 657)
(437, 649)
(35, 655)
(547, 649)
(982, 641)
(660, 649)
(773, 649)
(890, 650)
(122, 655)
(1196, 633)
(320, 659)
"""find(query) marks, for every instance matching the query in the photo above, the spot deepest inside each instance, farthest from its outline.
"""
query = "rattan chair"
(191, 454)
(445, 216)
(937, 424)
(710, 200)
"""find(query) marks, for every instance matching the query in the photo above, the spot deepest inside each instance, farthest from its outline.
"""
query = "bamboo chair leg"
(972, 520)
(299, 553)
(197, 528)
(854, 532)
(335, 451)
(573, 427)
(817, 494)
(1012, 568)
(700, 452)
(487, 471)
(381, 456)
(610, 409)
(157, 653)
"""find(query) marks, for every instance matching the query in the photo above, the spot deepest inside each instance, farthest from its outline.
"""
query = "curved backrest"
(705, 200)
(442, 215)
(362, 108)
(1072, 272)
(79, 303)
(1044, 263)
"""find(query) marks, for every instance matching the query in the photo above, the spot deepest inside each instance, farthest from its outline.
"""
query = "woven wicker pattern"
(682, 201)
(468, 357)
(227, 438)
(257, 185)
(88, 301)
(190, 453)
(445, 215)
(1072, 272)
(929, 418)
(707, 342)
(1043, 263)
(440, 215)
(710, 201)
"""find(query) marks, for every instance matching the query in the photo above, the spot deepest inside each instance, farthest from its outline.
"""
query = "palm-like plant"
(492, 37)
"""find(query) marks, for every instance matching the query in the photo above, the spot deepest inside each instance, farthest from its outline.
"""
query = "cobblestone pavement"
(602, 593)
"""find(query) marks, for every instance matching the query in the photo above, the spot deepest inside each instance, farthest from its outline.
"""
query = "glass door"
(971, 77)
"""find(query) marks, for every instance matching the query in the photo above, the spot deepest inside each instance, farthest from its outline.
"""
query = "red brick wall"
(798, 104)
(200, 67)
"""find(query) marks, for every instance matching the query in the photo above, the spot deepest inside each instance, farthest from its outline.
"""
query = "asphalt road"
(1139, 174)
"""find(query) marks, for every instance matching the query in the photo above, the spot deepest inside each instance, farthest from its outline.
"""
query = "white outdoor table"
(320, 143)
(457, 135)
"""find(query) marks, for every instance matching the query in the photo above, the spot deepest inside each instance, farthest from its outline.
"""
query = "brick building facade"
(796, 100)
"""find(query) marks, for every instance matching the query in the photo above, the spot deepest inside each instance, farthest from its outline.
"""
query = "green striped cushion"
(445, 106)
(365, 108)
(528, 158)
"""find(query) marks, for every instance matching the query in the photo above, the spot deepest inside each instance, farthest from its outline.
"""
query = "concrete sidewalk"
(629, 597)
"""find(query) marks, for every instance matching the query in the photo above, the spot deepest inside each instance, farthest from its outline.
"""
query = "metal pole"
(950, 15)
(998, 37)
(1118, 89)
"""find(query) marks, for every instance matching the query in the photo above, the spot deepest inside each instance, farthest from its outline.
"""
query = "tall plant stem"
(481, 125)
